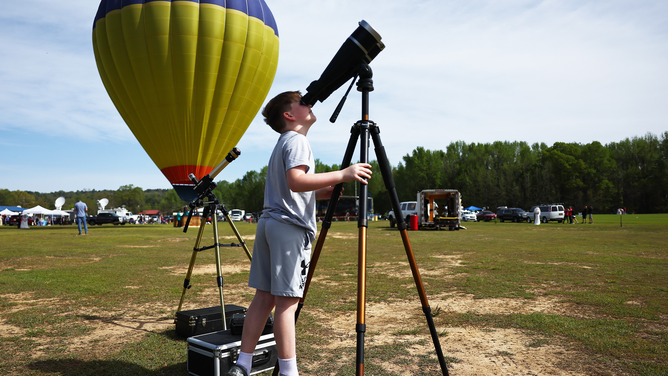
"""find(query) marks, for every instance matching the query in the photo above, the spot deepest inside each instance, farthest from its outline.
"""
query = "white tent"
(59, 212)
(8, 212)
(37, 210)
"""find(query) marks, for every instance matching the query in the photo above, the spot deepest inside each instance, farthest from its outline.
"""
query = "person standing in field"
(584, 214)
(80, 208)
(590, 211)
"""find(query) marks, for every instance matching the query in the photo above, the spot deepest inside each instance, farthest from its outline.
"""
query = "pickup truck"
(103, 218)
(408, 208)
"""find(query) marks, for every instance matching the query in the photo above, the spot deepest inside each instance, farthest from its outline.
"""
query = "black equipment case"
(236, 325)
(205, 320)
(213, 354)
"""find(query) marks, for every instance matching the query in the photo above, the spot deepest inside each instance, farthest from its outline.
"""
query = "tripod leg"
(219, 270)
(236, 232)
(360, 328)
(186, 281)
(389, 184)
(362, 226)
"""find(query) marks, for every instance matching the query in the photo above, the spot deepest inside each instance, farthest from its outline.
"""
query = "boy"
(286, 229)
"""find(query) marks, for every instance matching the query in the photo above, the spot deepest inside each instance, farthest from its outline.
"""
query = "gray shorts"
(281, 257)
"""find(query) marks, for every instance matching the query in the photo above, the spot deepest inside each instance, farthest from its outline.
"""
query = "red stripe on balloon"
(179, 174)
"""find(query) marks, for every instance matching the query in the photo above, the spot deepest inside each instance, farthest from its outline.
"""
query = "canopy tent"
(37, 210)
(8, 212)
(473, 208)
(59, 212)
(12, 208)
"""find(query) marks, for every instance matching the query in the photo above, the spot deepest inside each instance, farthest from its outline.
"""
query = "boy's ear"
(288, 116)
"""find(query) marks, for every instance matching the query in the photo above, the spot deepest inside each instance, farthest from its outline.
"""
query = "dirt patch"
(116, 328)
(234, 237)
(402, 269)
(108, 329)
(23, 300)
(558, 263)
(338, 235)
(464, 303)
(226, 269)
(27, 263)
(477, 351)
(175, 240)
(504, 352)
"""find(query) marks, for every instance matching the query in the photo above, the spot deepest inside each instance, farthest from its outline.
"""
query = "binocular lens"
(362, 46)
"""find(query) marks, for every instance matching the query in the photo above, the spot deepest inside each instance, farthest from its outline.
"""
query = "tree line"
(134, 199)
(631, 174)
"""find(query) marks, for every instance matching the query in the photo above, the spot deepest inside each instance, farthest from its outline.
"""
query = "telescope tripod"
(211, 207)
(362, 130)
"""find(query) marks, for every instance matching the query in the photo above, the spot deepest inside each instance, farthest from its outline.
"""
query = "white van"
(554, 212)
(237, 215)
(408, 208)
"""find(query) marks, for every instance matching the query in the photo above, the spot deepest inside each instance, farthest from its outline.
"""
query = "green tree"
(18, 198)
(130, 196)
(568, 171)
(378, 190)
(251, 191)
(171, 202)
(224, 192)
(421, 170)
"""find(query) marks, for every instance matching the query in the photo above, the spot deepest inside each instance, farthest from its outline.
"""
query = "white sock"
(245, 361)
(288, 367)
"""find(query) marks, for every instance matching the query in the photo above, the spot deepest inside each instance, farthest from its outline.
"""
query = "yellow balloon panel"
(188, 77)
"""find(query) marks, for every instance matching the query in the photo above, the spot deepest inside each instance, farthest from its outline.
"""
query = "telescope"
(362, 46)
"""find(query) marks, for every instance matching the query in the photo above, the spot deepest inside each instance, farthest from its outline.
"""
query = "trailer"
(439, 208)
(433, 208)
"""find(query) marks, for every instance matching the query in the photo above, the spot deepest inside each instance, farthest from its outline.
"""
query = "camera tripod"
(212, 205)
(362, 130)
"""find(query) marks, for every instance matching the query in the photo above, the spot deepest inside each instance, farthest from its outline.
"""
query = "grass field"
(507, 299)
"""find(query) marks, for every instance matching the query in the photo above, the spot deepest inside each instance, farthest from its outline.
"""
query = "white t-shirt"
(281, 203)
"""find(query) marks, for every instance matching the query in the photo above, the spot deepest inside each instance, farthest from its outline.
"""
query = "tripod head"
(365, 74)
(205, 186)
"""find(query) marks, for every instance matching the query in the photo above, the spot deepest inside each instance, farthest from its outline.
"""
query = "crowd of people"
(34, 220)
(587, 214)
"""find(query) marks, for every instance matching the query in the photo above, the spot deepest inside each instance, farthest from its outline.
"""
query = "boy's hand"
(359, 171)
(325, 193)
(300, 181)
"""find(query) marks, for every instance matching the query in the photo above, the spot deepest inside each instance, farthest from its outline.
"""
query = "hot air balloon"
(188, 77)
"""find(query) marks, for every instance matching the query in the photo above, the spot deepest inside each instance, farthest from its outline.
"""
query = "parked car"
(511, 214)
(14, 220)
(101, 218)
(553, 212)
(468, 215)
(408, 208)
(237, 215)
(486, 216)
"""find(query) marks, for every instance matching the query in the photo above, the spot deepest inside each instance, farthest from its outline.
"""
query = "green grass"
(56, 286)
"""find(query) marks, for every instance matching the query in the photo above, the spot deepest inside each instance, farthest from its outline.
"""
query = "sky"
(476, 71)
